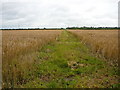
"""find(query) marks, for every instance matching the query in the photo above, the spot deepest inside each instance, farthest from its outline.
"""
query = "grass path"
(67, 63)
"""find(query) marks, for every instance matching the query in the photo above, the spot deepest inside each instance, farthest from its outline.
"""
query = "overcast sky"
(58, 13)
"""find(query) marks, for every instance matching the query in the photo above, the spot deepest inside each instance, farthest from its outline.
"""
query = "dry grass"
(20, 49)
(104, 43)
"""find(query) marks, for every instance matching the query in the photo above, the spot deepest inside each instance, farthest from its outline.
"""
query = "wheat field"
(20, 52)
(29, 56)
(103, 43)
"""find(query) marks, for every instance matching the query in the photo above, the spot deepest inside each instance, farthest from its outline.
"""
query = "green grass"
(53, 69)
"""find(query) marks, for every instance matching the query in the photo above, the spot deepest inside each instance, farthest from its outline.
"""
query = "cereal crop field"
(60, 58)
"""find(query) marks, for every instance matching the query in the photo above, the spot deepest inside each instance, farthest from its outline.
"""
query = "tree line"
(71, 28)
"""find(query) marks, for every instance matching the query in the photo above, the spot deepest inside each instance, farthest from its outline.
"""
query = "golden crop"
(20, 49)
(104, 43)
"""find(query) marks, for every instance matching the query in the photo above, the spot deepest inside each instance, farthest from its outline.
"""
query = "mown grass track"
(67, 63)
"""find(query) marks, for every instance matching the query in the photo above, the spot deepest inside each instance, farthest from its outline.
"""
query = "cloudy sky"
(58, 13)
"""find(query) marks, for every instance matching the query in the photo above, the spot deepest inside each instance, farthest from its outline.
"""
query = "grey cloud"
(57, 13)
